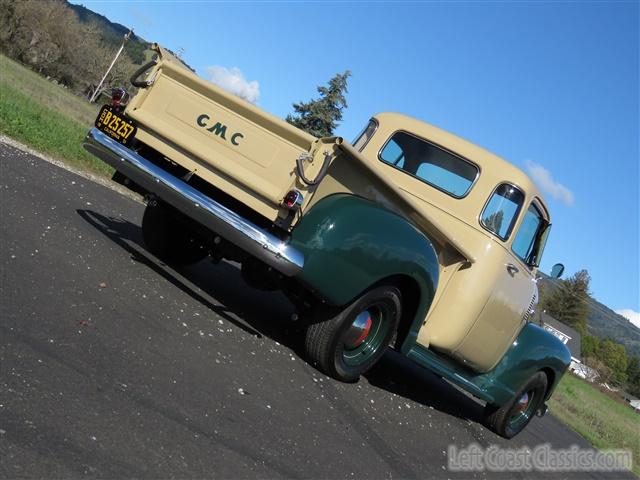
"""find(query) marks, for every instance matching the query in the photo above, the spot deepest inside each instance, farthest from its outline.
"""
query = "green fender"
(533, 350)
(350, 243)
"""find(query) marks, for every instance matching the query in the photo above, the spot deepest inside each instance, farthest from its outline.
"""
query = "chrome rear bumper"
(229, 225)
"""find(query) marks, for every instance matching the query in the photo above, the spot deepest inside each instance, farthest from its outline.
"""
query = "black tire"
(510, 419)
(330, 344)
(168, 237)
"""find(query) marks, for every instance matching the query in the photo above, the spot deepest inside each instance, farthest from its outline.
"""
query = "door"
(512, 272)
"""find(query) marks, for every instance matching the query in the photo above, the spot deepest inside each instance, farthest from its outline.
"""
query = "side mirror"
(557, 270)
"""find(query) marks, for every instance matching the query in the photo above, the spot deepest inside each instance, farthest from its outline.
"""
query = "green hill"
(602, 322)
(112, 33)
(605, 323)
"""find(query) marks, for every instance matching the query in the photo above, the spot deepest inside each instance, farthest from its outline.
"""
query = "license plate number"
(115, 125)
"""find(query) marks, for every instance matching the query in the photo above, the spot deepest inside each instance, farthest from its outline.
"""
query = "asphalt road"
(113, 365)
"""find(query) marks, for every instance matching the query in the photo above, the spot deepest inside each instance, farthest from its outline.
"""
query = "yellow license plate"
(115, 125)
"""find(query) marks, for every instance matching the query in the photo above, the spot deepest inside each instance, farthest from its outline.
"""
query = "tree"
(320, 116)
(50, 38)
(633, 376)
(614, 356)
(590, 346)
(568, 302)
(494, 221)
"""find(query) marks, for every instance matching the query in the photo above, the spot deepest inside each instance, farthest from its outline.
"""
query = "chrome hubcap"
(522, 404)
(359, 330)
(522, 411)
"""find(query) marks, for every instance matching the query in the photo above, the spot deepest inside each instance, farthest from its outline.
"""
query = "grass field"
(46, 116)
(603, 421)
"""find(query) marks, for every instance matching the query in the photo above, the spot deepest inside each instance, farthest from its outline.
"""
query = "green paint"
(202, 120)
(533, 350)
(350, 244)
(235, 137)
(218, 129)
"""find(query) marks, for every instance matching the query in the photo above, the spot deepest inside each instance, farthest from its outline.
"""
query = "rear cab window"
(429, 163)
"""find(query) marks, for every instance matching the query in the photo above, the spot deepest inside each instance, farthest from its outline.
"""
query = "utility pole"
(124, 42)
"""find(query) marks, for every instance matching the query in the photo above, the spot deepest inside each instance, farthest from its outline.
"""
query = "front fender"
(533, 350)
(350, 243)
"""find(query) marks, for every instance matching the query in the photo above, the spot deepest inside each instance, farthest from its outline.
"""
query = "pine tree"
(614, 356)
(494, 221)
(320, 116)
(568, 302)
(590, 346)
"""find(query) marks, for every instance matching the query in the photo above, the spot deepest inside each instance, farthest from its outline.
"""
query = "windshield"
(443, 170)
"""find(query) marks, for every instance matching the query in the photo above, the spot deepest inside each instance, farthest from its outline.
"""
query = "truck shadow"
(221, 289)
(396, 374)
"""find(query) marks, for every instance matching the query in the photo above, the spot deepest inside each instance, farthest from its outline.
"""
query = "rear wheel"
(167, 235)
(511, 418)
(348, 343)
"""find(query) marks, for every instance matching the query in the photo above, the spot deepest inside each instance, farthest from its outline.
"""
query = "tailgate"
(223, 134)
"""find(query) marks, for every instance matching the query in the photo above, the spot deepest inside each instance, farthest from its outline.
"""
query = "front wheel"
(347, 344)
(511, 418)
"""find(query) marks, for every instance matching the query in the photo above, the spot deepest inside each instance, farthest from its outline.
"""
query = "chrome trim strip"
(226, 223)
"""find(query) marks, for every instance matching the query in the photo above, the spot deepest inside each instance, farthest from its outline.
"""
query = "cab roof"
(493, 169)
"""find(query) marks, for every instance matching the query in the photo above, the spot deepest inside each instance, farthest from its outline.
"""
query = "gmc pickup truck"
(409, 238)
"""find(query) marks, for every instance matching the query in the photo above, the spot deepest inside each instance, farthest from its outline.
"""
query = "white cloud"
(542, 177)
(631, 315)
(233, 81)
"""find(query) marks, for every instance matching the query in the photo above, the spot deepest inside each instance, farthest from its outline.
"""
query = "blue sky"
(550, 86)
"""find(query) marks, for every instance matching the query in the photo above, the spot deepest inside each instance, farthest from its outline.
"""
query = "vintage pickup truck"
(410, 237)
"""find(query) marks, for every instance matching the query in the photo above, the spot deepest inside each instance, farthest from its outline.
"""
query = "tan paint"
(478, 307)
(258, 170)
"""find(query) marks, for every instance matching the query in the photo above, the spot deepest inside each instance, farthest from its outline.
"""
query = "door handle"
(512, 269)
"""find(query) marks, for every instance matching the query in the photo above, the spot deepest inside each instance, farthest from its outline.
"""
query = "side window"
(501, 212)
(531, 237)
(443, 170)
(523, 242)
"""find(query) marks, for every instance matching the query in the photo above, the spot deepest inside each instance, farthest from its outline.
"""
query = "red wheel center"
(365, 332)
(522, 404)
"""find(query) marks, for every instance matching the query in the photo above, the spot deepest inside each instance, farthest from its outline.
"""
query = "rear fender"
(350, 243)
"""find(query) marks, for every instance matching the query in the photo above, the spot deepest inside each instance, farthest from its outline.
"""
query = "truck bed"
(239, 148)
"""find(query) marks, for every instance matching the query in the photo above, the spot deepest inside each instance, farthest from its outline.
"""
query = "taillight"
(119, 97)
(293, 200)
